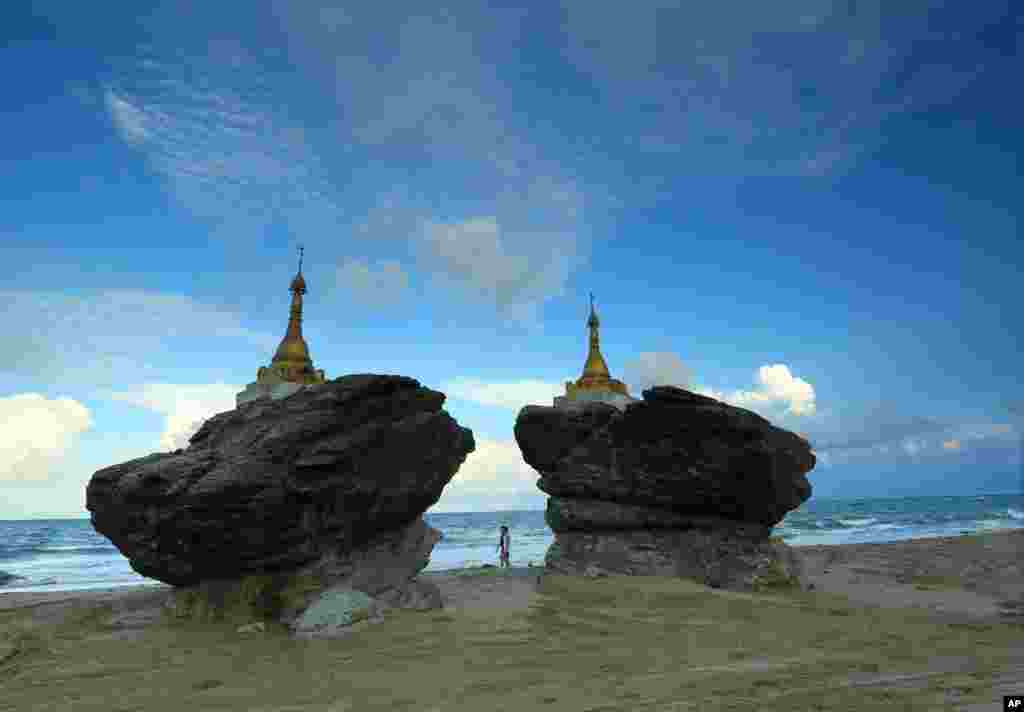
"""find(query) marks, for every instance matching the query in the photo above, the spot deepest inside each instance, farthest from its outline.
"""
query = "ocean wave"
(109, 549)
(1014, 513)
(858, 522)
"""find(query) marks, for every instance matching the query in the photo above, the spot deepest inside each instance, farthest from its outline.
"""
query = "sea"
(68, 554)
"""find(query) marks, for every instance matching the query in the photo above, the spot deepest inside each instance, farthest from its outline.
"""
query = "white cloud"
(112, 336)
(38, 433)
(184, 407)
(129, 121)
(513, 395)
(776, 386)
(655, 369)
(373, 284)
(477, 256)
(494, 476)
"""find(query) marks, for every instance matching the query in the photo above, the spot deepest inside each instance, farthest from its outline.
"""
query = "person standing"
(503, 545)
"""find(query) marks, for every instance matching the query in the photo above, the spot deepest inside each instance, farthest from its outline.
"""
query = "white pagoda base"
(272, 391)
(618, 400)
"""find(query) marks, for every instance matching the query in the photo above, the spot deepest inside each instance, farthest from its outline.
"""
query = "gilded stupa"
(291, 369)
(596, 383)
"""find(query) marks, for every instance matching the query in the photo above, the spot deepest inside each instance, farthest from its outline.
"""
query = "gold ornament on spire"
(596, 376)
(291, 362)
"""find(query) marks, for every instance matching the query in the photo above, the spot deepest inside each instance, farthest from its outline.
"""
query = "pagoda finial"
(293, 349)
(595, 366)
(299, 283)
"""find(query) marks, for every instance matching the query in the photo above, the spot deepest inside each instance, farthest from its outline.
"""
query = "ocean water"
(68, 554)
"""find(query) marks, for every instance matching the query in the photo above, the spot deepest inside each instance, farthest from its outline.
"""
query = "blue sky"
(807, 208)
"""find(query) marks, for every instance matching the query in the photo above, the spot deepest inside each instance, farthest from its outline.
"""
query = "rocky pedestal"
(306, 506)
(677, 485)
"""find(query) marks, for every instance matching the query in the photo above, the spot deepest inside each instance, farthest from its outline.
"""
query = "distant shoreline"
(513, 511)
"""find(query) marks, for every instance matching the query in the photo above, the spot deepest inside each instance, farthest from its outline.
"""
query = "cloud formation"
(882, 433)
(105, 337)
(775, 385)
(38, 433)
(797, 87)
(512, 395)
(495, 474)
(407, 101)
(476, 257)
(881, 425)
(184, 407)
(373, 284)
(655, 368)
(212, 130)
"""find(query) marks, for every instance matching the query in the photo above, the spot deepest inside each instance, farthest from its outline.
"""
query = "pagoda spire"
(595, 369)
(596, 384)
(292, 361)
(291, 368)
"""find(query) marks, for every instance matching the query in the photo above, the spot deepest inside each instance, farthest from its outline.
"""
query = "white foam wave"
(858, 522)
(1015, 513)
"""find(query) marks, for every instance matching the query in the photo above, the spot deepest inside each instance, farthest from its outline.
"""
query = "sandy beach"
(921, 624)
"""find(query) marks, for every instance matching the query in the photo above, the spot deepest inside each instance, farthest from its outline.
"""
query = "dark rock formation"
(678, 484)
(328, 597)
(299, 488)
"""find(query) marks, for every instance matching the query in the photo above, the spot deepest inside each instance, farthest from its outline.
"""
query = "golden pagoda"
(291, 368)
(596, 383)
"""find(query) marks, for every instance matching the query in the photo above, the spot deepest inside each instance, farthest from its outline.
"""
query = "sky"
(807, 208)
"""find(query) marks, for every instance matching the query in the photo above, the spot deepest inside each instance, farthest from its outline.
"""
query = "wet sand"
(921, 624)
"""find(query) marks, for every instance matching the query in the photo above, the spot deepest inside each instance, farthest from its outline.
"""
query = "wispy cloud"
(514, 272)
(210, 129)
(373, 284)
(99, 338)
(798, 87)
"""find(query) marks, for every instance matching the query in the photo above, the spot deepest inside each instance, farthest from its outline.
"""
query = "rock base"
(327, 598)
(717, 558)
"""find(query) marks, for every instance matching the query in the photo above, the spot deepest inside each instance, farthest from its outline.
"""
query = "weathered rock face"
(330, 597)
(276, 485)
(718, 557)
(675, 451)
(679, 485)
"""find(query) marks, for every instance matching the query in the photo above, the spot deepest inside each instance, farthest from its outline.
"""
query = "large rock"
(675, 451)
(676, 485)
(274, 485)
(286, 507)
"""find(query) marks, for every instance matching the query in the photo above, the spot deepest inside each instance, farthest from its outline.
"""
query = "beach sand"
(923, 624)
